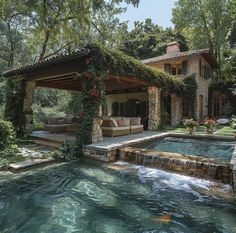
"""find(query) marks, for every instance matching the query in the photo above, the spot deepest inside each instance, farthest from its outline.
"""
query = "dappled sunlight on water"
(88, 196)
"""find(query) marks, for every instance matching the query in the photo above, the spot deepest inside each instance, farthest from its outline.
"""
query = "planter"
(210, 130)
(191, 130)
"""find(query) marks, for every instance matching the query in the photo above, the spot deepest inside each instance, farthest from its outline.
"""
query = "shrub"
(1, 111)
(190, 123)
(70, 149)
(7, 134)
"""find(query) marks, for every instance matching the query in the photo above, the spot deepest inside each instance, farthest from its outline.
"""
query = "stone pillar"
(176, 109)
(97, 131)
(154, 100)
(27, 106)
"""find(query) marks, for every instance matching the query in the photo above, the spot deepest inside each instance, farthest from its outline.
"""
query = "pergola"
(119, 73)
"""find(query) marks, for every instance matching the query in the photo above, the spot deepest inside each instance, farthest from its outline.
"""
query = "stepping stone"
(30, 163)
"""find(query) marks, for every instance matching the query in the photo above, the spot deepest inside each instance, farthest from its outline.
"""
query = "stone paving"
(111, 143)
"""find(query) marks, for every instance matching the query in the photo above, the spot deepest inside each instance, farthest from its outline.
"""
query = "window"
(220, 101)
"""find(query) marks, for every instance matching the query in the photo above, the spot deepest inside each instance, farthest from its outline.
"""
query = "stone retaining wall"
(187, 165)
(233, 169)
(102, 155)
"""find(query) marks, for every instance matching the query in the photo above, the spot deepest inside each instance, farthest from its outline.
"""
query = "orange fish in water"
(116, 168)
(166, 218)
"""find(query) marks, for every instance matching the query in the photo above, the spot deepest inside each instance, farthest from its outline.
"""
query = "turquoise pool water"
(88, 196)
(216, 149)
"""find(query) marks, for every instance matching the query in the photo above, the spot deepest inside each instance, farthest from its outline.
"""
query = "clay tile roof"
(204, 52)
(52, 60)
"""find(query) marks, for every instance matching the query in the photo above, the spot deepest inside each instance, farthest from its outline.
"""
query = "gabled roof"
(173, 56)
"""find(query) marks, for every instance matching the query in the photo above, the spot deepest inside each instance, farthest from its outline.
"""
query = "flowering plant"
(210, 123)
(190, 123)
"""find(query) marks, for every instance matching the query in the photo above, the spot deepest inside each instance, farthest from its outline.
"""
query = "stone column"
(176, 109)
(97, 131)
(27, 106)
(154, 100)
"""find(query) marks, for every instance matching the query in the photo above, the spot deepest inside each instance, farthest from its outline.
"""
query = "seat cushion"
(116, 128)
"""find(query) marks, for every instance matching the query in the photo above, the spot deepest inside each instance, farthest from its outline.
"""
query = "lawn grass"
(200, 130)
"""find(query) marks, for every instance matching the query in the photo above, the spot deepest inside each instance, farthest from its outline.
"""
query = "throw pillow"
(135, 121)
(121, 123)
(126, 120)
(107, 123)
(114, 122)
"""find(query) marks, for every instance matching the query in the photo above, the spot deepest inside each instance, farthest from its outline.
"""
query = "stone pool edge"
(233, 169)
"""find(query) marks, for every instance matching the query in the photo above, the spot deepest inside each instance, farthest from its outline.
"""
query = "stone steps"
(47, 143)
(30, 163)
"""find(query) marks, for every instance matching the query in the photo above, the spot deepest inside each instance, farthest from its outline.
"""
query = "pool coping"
(156, 136)
(233, 160)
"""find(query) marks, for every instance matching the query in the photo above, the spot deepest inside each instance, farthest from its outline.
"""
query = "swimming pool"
(89, 196)
(220, 150)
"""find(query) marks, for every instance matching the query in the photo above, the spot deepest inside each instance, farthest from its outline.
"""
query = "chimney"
(172, 48)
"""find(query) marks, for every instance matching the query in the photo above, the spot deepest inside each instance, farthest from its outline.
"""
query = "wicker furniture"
(118, 126)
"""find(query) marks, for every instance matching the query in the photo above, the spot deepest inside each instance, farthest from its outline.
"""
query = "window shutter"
(184, 67)
(167, 68)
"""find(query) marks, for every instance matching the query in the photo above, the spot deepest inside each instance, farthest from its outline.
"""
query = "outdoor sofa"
(118, 126)
(62, 124)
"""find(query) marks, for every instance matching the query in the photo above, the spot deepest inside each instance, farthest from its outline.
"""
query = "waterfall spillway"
(183, 164)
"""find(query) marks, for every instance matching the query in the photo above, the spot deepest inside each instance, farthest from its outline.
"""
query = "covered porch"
(93, 71)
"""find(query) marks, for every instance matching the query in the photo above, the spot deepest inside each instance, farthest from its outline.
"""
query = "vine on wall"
(93, 93)
(15, 91)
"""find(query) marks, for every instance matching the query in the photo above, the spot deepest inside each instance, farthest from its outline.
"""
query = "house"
(180, 65)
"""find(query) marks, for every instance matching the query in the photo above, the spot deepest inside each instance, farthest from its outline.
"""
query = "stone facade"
(176, 109)
(97, 131)
(201, 104)
(154, 101)
(102, 155)
(27, 106)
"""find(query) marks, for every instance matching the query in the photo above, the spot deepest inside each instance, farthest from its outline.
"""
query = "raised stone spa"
(219, 166)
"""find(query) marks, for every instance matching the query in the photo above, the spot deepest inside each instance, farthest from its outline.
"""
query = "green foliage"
(190, 123)
(149, 40)
(121, 64)
(40, 114)
(56, 154)
(1, 111)
(206, 24)
(15, 90)
(70, 150)
(93, 92)
(9, 155)
(7, 134)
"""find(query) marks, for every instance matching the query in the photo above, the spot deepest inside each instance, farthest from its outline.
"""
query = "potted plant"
(191, 125)
(210, 125)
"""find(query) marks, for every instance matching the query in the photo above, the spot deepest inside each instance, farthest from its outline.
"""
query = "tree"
(205, 23)
(149, 40)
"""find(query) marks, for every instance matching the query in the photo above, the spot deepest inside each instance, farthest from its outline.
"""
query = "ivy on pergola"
(99, 64)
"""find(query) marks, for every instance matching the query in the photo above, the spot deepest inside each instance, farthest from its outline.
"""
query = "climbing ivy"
(93, 96)
(118, 63)
(15, 90)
